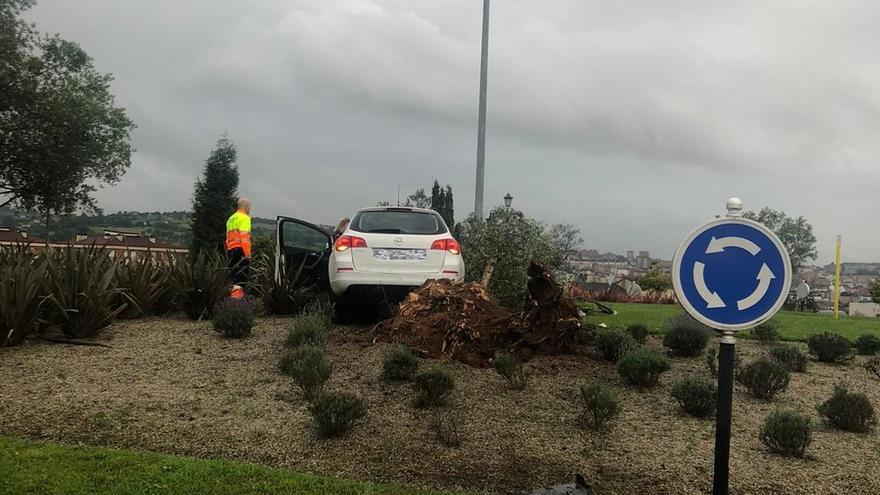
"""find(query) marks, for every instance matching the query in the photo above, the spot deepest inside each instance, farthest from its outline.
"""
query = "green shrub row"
(305, 361)
(789, 433)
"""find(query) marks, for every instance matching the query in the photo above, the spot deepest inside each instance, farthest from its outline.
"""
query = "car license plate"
(400, 254)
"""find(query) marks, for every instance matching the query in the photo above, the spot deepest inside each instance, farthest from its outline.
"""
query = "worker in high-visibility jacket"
(238, 247)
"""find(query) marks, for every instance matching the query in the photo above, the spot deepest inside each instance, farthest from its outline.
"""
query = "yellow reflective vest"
(238, 232)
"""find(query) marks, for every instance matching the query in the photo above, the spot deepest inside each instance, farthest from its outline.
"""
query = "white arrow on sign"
(764, 278)
(718, 245)
(713, 300)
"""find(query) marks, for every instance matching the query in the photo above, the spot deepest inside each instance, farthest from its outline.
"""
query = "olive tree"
(513, 240)
(795, 233)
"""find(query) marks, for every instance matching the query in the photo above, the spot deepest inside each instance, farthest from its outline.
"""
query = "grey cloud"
(633, 120)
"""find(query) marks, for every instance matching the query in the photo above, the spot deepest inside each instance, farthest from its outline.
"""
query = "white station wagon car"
(383, 249)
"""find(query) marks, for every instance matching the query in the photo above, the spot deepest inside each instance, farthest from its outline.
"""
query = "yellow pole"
(837, 280)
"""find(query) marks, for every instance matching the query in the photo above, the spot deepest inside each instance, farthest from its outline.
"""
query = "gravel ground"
(171, 385)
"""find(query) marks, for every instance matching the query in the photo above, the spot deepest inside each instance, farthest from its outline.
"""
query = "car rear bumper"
(340, 282)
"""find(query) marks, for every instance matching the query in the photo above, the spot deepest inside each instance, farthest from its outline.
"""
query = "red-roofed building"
(128, 244)
(11, 237)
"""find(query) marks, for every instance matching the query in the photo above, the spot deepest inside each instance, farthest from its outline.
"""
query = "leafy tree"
(656, 279)
(795, 233)
(513, 241)
(17, 39)
(442, 203)
(449, 210)
(436, 201)
(215, 198)
(61, 135)
(565, 237)
(875, 291)
(418, 199)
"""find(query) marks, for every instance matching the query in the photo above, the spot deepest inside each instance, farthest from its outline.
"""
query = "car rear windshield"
(398, 222)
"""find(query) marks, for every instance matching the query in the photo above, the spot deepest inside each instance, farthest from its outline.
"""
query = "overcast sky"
(633, 120)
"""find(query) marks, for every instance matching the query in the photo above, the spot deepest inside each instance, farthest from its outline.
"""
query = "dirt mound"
(442, 319)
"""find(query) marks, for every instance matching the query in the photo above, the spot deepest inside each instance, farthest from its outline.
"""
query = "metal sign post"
(730, 274)
(724, 413)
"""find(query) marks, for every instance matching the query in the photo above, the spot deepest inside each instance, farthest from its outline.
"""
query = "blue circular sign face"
(732, 274)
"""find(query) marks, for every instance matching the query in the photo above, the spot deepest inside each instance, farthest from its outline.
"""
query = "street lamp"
(481, 119)
(507, 200)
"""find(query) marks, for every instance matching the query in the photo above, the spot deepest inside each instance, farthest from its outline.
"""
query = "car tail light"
(350, 241)
(450, 245)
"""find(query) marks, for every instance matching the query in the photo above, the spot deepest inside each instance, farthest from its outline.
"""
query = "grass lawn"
(36, 468)
(792, 325)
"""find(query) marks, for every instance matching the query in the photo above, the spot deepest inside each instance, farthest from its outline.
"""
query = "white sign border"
(689, 308)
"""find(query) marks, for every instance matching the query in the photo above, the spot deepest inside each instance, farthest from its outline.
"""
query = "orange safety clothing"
(238, 232)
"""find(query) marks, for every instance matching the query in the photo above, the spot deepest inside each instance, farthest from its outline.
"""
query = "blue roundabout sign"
(731, 274)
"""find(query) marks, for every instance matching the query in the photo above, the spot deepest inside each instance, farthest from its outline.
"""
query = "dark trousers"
(239, 266)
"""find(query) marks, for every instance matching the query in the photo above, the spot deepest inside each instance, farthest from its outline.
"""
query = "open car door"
(302, 252)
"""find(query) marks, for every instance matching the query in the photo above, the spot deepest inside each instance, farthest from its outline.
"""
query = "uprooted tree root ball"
(462, 322)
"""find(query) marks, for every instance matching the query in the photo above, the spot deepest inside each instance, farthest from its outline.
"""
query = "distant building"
(11, 237)
(644, 260)
(864, 309)
(128, 244)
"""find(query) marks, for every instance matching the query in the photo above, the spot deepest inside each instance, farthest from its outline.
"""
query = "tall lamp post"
(508, 199)
(481, 120)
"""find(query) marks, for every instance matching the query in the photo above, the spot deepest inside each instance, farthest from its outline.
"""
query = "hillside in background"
(170, 227)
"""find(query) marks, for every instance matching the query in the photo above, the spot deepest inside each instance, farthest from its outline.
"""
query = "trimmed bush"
(309, 329)
(712, 360)
(234, 318)
(446, 428)
(322, 310)
(787, 433)
(764, 378)
(848, 411)
(696, 395)
(868, 344)
(599, 405)
(400, 365)
(613, 343)
(433, 387)
(766, 332)
(789, 356)
(584, 335)
(686, 337)
(511, 369)
(872, 365)
(336, 413)
(309, 368)
(642, 367)
(829, 347)
(638, 332)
